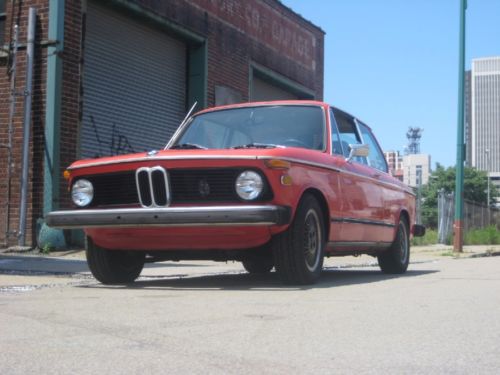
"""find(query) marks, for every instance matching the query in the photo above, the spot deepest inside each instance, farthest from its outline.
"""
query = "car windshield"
(256, 127)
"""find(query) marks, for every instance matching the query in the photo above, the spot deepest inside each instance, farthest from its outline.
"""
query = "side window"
(336, 144)
(348, 134)
(376, 157)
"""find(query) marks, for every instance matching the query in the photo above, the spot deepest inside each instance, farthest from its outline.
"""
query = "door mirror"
(361, 150)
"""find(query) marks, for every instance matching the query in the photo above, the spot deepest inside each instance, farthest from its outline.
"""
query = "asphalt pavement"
(441, 317)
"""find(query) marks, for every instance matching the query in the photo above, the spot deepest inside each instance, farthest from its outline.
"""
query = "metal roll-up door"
(263, 91)
(134, 83)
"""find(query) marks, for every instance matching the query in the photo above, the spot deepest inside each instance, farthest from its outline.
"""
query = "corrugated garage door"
(134, 83)
(263, 91)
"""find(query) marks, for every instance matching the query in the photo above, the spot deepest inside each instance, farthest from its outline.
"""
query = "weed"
(448, 253)
(47, 248)
(484, 236)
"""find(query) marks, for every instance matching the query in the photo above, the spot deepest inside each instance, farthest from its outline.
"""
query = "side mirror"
(362, 150)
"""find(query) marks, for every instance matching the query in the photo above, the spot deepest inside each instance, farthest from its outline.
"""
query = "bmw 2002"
(273, 185)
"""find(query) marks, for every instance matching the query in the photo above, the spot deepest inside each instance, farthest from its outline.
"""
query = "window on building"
(418, 175)
(2, 22)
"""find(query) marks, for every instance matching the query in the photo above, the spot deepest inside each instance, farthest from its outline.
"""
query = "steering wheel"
(294, 143)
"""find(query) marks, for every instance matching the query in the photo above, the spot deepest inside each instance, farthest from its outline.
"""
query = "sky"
(394, 63)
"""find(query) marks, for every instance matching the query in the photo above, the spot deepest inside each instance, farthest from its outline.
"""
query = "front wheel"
(396, 259)
(258, 265)
(298, 252)
(113, 266)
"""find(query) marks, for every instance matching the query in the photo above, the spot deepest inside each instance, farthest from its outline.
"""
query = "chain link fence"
(476, 216)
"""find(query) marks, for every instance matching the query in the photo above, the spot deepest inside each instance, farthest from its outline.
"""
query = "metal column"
(459, 181)
(8, 146)
(30, 51)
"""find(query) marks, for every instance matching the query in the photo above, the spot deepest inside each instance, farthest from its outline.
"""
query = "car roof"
(266, 103)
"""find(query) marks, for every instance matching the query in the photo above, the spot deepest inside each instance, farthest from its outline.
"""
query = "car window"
(376, 157)
(336, 144)
(286, 125)
(348, 134)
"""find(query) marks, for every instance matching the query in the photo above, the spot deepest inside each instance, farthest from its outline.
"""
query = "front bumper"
(165, 217)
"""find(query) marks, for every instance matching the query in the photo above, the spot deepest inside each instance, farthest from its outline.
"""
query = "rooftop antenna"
(413, 135)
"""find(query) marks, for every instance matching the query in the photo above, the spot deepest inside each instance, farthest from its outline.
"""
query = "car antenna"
(181, 125)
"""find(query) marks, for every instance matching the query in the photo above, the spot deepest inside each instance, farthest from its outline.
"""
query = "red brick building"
(117, 76)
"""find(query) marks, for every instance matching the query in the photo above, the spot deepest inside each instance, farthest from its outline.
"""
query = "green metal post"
(459, 182)
(48, 236)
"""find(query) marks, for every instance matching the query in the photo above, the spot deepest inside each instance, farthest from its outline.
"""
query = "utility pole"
(459, 181)
(487, 152)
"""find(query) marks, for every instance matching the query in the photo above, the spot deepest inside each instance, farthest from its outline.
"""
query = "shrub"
(484, 236)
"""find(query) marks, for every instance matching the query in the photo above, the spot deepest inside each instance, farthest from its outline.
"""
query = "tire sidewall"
(403, 240)
(307, 207)
(395, 260)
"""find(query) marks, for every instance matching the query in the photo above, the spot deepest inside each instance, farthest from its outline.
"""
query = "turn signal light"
(277, 164)
(67, 175)
(286, 180)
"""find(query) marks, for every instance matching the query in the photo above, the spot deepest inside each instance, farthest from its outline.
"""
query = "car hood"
(251, 153)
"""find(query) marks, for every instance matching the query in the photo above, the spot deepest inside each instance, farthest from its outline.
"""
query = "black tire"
(114, 266)
(258, 265)
(396, 259)
(298, 252)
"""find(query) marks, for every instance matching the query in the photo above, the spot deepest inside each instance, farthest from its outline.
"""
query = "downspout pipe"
(28, 96)
(48, 237)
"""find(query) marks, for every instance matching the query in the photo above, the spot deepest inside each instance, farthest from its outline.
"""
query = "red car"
(273, 185)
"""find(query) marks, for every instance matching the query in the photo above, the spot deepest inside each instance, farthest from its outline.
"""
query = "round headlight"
(249, 185)
(82, 192)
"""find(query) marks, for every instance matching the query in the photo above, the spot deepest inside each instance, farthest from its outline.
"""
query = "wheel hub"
(312, 240)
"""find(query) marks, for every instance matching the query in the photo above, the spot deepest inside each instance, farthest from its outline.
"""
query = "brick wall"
(262, 31)
(259, 31)
(11, 208)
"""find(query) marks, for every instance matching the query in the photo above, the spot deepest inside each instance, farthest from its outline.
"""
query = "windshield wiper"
(256, 145)
(181, 126)
(188, 146)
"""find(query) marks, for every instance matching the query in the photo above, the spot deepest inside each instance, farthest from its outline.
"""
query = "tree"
(475, 190)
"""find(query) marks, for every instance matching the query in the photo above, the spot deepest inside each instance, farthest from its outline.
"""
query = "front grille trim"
(149, 196)
(119, 189)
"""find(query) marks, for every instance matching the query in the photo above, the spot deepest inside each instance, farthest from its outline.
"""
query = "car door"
(360, 219)
(385, 217)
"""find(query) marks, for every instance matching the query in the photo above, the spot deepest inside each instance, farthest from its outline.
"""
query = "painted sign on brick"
(267, 25)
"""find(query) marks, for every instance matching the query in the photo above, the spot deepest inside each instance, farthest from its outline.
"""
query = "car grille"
(152, 186)
(184, 186)
(203, 185)
(114, 189)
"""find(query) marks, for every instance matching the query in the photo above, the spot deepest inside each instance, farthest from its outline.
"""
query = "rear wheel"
(298, 252)
(396, 259)
(114, 266)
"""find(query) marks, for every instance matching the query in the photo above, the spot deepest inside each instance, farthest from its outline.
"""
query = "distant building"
(416, 169)
(485, 116)
(395, 162)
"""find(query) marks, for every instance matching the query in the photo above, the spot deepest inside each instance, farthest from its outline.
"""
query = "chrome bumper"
(164, 217)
